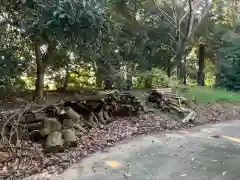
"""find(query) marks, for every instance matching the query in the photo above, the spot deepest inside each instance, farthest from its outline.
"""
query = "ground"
(101, 139)
(204, 152)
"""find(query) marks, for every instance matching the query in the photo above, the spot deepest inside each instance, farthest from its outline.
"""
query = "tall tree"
(201, 64)
(47, 23)
(184, 17)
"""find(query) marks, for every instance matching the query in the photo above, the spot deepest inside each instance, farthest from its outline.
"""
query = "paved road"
(190, 155)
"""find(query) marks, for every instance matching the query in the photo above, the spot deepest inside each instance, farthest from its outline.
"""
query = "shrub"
(228, 74)
(157, 77)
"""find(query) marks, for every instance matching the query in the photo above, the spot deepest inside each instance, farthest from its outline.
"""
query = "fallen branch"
(165, 99)
(59, 124)
(190, 117)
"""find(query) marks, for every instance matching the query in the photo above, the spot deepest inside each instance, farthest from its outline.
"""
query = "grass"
(209, 95)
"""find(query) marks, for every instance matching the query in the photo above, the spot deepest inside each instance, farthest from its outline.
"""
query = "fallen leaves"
(32, 160)
(126, 175)
(28, 159)
(216, 112)
(224, 173)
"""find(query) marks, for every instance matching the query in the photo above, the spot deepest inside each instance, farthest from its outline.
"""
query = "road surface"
(210, 152)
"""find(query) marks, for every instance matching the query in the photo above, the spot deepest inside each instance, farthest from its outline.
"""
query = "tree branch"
(201, 19)
(168, 18)
(174, 10)
(189, 22)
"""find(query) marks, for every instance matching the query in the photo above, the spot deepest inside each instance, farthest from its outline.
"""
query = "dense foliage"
(117, 43)
(228, 74)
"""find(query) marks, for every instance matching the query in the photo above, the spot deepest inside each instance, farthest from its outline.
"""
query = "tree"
(15, 56)
(113, 43)
(201, 64)
(184, 17)
(48, 23)
(228, 74)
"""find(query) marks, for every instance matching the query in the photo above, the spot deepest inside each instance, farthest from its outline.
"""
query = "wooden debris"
(54, 142)
(191, 116)
(168, 101)
(72, 114)
(50, 125)
(70, 138)
(4, 156)
(127, 105)
(59, 124)
(100, 118)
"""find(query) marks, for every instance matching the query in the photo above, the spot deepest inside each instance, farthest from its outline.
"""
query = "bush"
(157, 77)
(228, 74)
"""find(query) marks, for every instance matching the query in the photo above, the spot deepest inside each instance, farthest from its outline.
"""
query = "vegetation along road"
(77, 77)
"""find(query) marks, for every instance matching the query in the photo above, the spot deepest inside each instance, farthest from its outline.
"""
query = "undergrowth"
(209, 95)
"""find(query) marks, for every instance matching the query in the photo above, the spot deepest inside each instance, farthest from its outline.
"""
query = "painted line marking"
(185, 132)
(231, 138)
(112, 164)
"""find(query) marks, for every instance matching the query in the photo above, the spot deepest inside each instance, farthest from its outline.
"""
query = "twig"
(168, 18)
(18, 147)
(14, 125)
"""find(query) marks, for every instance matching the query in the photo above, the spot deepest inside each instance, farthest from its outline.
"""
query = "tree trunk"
(129, 83)
(148, 79)
(99, 74)
(108, 83)
(66, 78)
(40, 62)
(218, 71)
(169, 67)
(99, 81)
(39, 84)
(201, 64)
(184, 69)
(109, 77)
(179, 57)
(148, 83)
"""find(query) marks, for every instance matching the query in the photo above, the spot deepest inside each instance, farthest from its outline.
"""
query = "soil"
(27, 159)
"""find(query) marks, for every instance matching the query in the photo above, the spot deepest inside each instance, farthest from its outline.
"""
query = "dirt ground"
(32, 160)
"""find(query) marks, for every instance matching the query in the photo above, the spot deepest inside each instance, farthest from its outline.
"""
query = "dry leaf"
(224, 173)
(99, 138)
(215, 136)
(126, 175)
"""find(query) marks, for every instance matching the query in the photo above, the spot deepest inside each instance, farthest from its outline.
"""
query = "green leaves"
(10, 68)
(228, 75)
(68, 21)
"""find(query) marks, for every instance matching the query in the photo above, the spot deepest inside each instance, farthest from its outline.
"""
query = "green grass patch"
(209, 95)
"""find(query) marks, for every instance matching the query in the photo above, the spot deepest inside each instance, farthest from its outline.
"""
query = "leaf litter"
(27, 158)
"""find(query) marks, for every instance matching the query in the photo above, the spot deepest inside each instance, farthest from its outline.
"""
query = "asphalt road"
(210, 152)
